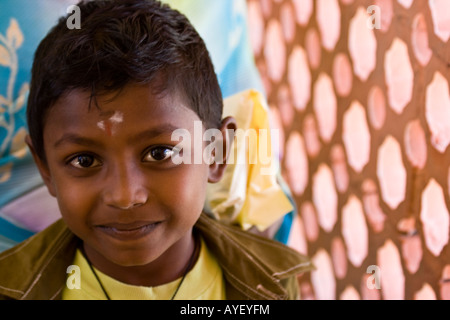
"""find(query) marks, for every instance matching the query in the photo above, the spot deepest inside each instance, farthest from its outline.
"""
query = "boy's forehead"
(105, 103)
(111, 120)
(129, 106)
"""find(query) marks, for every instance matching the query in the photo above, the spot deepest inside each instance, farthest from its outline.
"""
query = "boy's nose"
(125, 188)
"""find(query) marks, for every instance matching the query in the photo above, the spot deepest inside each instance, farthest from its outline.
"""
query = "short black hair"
(121, 42)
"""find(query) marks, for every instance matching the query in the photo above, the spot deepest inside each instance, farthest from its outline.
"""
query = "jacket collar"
(254, 267)
(36, 268)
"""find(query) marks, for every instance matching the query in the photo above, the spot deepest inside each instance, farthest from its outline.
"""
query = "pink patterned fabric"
(366, 140)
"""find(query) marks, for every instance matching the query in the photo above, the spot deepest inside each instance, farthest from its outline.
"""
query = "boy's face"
(111, 172)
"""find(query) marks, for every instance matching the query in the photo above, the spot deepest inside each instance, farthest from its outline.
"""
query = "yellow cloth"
(249, 193)
(203, 282)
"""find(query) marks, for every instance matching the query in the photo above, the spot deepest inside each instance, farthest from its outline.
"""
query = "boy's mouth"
(128, 231)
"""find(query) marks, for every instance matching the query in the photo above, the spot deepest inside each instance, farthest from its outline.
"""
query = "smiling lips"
(128, 231)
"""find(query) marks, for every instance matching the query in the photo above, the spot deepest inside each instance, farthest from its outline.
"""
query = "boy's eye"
(84, 161)
(158, 154)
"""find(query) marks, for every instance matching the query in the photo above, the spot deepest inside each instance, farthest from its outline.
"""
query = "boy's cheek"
(72, 202)
(188, 187)
(49, 181)
(74, 196)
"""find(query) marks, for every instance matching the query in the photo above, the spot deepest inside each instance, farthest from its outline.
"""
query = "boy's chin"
(137, 258)
(119, 257)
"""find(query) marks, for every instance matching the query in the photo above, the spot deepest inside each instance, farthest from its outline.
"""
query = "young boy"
(104, 102)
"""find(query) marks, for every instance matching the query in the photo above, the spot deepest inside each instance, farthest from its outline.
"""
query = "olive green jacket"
(254, 267)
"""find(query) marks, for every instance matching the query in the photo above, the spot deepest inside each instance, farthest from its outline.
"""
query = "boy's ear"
(42, 167)
(218, 166)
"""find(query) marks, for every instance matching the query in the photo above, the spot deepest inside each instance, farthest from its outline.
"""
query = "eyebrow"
(74, 138)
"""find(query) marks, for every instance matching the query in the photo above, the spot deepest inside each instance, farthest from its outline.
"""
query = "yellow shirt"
(204, 282)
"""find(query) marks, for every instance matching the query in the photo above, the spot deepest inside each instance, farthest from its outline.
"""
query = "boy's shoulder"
(257, 265)
(25, 266)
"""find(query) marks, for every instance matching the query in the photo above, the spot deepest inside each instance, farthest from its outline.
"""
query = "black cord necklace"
(188, 267)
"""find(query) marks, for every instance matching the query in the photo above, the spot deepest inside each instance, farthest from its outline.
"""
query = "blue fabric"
(13, 232)
(23, 24)
(283, 232)
(285, 229)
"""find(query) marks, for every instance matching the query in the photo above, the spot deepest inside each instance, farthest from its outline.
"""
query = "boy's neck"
(170, 266)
